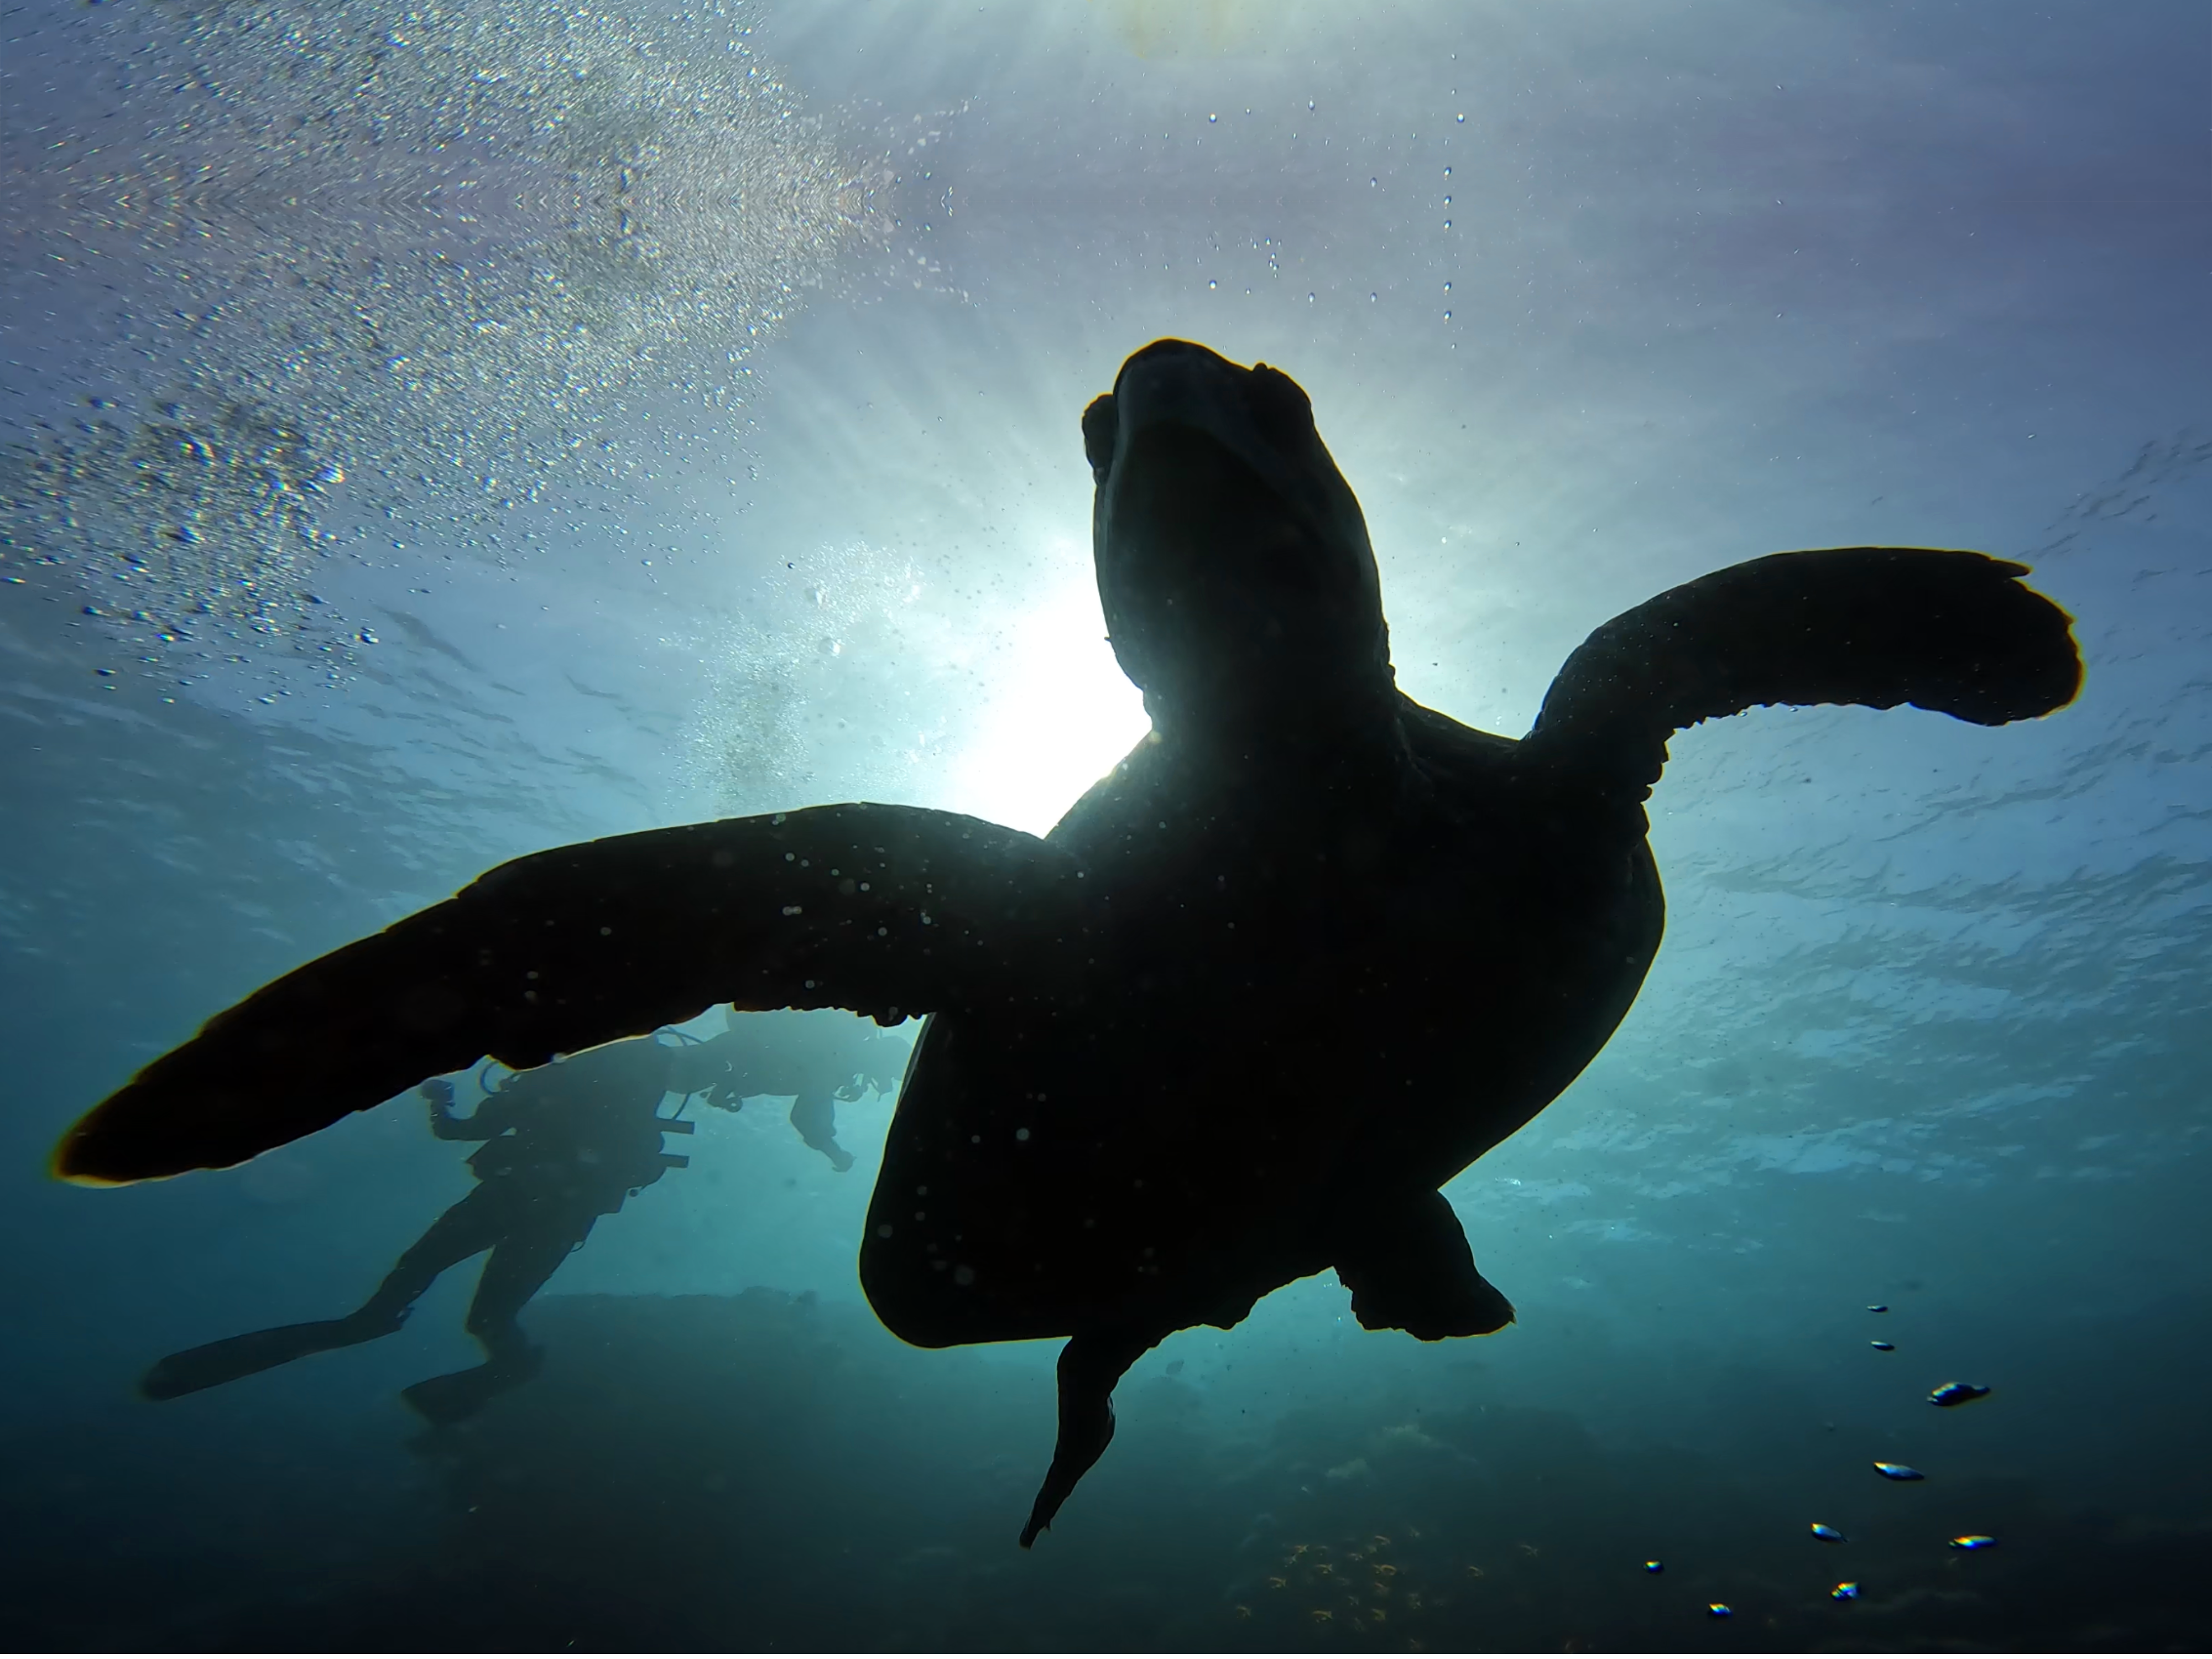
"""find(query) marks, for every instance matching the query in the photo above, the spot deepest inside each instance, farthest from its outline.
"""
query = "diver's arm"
(814, 1114)
(483, 1125)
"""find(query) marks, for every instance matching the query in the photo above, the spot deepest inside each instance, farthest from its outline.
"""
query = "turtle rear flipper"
(884, 910)
(1950, 631)
(1409, 1267)
(1090, 1365)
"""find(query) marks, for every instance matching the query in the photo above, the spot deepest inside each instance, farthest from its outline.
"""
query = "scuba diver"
(819, 1056)
(563, 1145)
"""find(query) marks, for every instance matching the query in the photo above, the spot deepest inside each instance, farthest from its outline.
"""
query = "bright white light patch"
(1058, 713)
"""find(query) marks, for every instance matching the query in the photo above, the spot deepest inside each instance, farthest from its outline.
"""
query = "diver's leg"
(1090, 1365)
(517, 1271)
(471, 1227)
(815, 1116)
(520, 1266)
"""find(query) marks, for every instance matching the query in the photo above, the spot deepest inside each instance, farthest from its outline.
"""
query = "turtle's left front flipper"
(1951, 631)
(885, 910)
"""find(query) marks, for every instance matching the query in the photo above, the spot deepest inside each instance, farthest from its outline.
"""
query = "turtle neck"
(1342, 739)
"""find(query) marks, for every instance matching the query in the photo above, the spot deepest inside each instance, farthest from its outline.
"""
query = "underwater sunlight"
(1105, 827)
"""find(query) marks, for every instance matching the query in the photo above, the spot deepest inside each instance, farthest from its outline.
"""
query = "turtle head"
(1233, 560)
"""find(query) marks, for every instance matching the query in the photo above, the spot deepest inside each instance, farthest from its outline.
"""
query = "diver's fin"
(457, 1395)
(214, 1363)
(1409, 1268)
(1090, 1366)
(887, 910)
(1949, 631)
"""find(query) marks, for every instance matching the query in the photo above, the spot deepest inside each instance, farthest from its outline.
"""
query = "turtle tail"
(1955, 632)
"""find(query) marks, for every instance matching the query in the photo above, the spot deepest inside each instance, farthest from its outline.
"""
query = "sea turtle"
(1306, 953)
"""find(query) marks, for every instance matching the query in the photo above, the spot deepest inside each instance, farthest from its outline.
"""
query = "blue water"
(684, 408)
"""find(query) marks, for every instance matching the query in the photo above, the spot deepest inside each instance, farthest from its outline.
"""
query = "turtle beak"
(1233, 560)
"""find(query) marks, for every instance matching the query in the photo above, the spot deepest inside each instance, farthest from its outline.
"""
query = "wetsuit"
(563, 1145)
(819, 1059)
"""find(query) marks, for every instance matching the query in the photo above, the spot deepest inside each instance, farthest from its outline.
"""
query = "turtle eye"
(1100, 427)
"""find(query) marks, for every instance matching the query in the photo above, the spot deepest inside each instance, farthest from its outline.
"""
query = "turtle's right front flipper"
(1951, 631)
(885, 910)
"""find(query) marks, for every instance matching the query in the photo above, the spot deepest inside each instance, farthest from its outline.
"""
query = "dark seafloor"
(712, 448)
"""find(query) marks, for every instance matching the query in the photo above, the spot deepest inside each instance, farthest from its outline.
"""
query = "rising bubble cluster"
(835, 647)
(420, 268)
(181, 530)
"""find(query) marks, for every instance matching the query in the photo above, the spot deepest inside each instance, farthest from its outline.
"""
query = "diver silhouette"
(563, 1145)
(820, 1057)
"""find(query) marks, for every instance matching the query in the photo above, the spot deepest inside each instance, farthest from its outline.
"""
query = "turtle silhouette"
(1306, 953)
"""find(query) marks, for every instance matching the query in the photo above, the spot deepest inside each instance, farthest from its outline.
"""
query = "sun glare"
(1060, 712)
